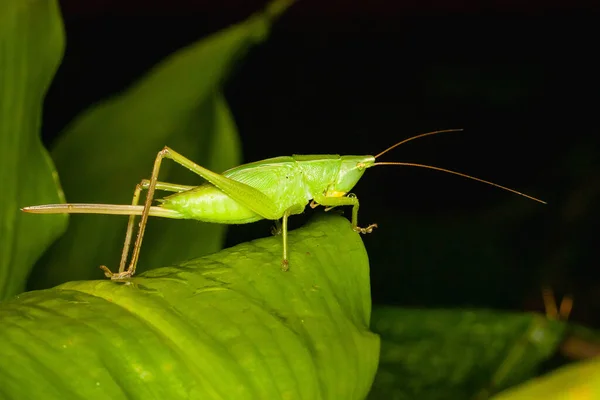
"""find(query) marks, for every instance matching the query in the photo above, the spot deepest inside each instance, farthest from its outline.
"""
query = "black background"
(354, 78)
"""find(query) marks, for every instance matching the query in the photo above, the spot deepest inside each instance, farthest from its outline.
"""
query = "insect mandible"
(271, 189)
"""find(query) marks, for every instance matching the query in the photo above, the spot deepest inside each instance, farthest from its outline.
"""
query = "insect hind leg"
(144, 184)
(121, 274)
(153, 184)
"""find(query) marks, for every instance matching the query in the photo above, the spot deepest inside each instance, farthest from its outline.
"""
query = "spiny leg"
(349, 200)
(144, 184)
(127, 243)
(144, 219)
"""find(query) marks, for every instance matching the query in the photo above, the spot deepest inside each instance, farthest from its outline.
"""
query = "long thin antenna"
(416, 137)
(406, 164)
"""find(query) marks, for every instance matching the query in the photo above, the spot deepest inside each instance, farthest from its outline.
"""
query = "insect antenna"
(407, 164)
(416, 137)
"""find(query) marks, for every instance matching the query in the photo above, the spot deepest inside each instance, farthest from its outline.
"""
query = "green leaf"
(31, 47)
(230, 325)
(580, 381)
(458, 354)
(111, 147)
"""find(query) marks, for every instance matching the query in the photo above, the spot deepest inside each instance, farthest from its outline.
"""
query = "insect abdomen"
(281, 179)
(209, 204)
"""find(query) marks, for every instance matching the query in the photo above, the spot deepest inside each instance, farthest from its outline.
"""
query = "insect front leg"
(314, 204)
(350, 200)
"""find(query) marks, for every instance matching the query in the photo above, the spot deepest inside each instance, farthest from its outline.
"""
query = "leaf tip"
(275, 8)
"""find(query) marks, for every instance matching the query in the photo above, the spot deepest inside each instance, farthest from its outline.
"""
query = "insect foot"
(115, 276)
(368, 229)
(276, 229)
(285, 265)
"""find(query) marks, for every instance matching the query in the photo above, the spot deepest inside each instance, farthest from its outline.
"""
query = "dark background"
(356, 77)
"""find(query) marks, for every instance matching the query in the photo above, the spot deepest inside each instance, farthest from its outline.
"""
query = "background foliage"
(320, 85)
(31, 46)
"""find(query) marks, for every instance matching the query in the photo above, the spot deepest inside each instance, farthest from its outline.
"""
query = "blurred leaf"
(111, 147)
(31, 47)
(458, 354)
(580, 381)
(230, 325)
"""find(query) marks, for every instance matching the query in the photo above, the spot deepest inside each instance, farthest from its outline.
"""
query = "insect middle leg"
(349, 200)
(144, 184)
(297, 209)
(276, 229)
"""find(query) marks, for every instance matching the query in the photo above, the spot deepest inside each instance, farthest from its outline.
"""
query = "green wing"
(244, 194)
(266, 187)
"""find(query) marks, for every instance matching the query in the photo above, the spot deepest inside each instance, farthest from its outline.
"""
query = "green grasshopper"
(272, 189)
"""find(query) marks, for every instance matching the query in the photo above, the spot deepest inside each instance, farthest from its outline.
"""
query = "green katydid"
(272, 189)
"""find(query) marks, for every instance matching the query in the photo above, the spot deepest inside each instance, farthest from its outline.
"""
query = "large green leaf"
(111, 147)
(230, 325)
(31, 47)
(580, 381)
(458, 354)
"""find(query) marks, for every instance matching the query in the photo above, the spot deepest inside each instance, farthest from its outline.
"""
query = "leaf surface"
(230, 325)
(31, 47)
(458, 354)
(579, 381)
